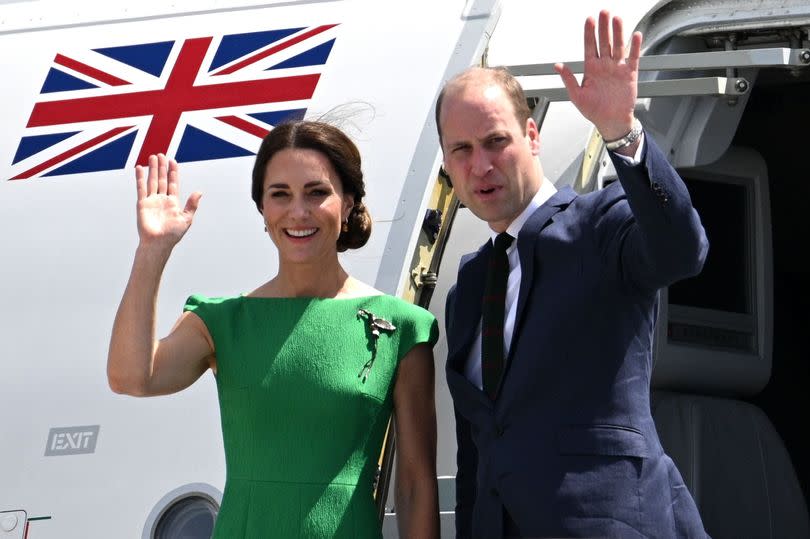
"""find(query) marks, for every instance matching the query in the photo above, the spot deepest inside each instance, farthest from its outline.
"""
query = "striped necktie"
(492, 315)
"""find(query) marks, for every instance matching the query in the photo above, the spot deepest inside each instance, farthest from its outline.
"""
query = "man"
(555, 434)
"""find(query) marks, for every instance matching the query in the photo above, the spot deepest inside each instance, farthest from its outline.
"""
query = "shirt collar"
(545, 192)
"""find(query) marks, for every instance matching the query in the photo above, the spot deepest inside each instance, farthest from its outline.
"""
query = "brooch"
(375, 325)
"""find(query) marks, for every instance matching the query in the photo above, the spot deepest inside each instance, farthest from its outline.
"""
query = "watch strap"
(628, 139)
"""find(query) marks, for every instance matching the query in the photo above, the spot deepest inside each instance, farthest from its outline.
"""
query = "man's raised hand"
(607, 95)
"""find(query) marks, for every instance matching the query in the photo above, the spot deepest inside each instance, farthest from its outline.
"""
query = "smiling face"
(490, 157)
(303, 205)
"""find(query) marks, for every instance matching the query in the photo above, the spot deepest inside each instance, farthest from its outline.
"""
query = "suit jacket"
(569, 447)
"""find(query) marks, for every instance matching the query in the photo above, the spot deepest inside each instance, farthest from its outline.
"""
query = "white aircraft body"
(91, 88)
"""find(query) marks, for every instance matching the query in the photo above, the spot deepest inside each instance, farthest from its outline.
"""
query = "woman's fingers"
(159, 177)
(151, 179)
(173, 180)
(140, 181)
(163, 172)
(192, 204)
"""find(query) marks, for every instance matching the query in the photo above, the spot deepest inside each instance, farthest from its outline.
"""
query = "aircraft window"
(188, 518)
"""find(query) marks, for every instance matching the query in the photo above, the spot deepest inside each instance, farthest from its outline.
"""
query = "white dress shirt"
(472, 370)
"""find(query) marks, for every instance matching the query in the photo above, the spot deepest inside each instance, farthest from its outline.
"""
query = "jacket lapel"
(527, 241)
(467, 309)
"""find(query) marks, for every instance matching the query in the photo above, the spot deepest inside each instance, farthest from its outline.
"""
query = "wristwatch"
(626, 140)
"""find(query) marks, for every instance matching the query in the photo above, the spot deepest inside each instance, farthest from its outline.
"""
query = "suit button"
(499, 431)
(494, 492)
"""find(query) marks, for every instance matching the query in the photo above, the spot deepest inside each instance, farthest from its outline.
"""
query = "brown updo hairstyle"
(342, 154)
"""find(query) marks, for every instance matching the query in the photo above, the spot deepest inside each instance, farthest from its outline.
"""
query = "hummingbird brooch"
(375, 326)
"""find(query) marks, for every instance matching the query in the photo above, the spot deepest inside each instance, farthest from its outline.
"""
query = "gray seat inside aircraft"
(734, 464)
(731, 457)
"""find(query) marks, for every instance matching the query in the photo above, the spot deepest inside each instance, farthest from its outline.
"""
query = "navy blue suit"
(569, 447)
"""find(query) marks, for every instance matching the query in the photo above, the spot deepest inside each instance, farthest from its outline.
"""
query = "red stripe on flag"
(272, 50)
(70, 153)
(232, 94)
(175, 97)
(244, 125)
(85, 69)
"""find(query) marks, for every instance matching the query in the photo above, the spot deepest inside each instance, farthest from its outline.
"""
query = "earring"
(345, 227)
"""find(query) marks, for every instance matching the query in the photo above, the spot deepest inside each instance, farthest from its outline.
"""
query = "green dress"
(304, 408)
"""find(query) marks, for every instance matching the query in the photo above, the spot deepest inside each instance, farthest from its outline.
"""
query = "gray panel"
(482, 16)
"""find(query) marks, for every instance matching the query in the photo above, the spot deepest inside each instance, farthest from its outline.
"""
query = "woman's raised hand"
(161, 219)
(137, 364)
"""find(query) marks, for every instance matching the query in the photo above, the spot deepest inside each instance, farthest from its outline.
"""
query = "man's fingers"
(590, 39)
(604, 35)
(618, 39)
(569, 80)
(635, 50)
(173, 180)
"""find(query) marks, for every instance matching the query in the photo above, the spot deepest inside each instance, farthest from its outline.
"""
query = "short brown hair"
(341, 153)
(500, 76)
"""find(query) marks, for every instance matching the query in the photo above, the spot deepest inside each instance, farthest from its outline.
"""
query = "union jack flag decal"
(200, 98)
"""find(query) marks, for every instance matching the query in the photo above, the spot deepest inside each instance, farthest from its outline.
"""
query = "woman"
(308, 365)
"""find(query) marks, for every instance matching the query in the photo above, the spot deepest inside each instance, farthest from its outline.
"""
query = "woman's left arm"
(416, 493)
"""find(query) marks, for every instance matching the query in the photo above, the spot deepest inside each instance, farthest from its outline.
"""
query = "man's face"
(488, 156)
